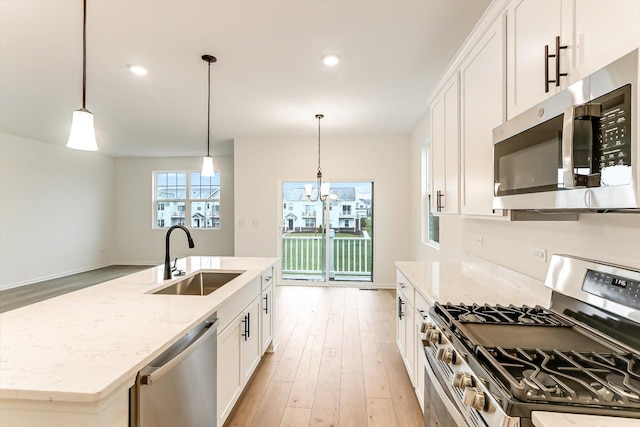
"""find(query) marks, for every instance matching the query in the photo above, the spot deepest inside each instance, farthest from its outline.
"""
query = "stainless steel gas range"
(494, 365)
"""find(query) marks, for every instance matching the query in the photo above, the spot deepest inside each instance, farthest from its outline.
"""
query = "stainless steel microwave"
(575, 151)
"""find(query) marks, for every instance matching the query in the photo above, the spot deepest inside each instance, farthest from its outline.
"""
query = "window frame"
(428, 218)
(187, 202)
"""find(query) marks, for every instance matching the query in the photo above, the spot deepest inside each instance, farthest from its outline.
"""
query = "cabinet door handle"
(266, 303)
(439, 205)
(400, 304)
(248, 325)
(246, 322)
(546, 64)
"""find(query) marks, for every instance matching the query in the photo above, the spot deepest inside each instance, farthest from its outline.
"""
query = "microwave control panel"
(614, 137)
(622, 290)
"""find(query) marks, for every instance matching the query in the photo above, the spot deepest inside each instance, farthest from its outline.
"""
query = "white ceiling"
(269, 80)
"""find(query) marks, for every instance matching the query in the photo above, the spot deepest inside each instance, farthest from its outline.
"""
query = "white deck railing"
(351, 256)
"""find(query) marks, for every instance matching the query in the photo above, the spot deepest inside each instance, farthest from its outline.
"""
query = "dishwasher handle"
(153, 373)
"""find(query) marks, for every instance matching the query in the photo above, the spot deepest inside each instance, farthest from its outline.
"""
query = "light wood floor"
(11, 299)
(336, 364)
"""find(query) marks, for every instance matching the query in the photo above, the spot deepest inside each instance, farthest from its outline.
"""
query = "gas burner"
(498, 314)
(628, 387)
(538, 381)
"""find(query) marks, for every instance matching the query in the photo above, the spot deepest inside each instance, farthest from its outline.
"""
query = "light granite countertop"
(481, 282)
(473, 282)
(82, 346)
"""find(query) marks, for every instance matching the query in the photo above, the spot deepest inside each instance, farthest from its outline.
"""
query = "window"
(310, 223)
(346, 209)
(186, 198)
(430, 222)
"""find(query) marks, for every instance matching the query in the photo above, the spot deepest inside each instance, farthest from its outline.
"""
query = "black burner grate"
(521, 315)
(573, 378)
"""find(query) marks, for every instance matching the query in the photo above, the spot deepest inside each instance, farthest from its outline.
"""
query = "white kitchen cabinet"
(482, 93)
(242, 340)
(595, 33)
(268, 309)
(405, 325)
(229, 367)
(239, 352)
(603, 32)
(251, 345)
(532, 25)
(445, 150)
(267, 312)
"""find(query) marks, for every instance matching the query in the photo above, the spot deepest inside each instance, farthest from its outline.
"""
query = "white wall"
(261, 165)
(136, 242)
(56, 211)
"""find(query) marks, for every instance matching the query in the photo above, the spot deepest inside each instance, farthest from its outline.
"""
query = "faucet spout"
(167, 257)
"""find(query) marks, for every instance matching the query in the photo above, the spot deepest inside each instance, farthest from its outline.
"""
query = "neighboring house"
(299, 214)
(204, 213)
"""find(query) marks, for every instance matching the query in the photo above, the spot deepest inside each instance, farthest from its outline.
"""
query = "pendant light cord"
(319, 118)
(208, 107)
(84, 56)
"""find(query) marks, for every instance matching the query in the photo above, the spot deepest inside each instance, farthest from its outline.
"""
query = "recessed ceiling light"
(330, 59)
(136, 69)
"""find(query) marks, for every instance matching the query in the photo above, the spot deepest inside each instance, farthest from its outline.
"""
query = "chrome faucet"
(167, 257)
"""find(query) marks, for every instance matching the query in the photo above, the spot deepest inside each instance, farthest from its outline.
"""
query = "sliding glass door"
(329, 240)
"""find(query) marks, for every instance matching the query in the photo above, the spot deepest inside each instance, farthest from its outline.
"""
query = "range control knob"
(434, 336)
(462, 380)
(447, 355)
(474, 398)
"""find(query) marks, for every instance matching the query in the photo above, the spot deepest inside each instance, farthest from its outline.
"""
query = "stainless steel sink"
(200, 284)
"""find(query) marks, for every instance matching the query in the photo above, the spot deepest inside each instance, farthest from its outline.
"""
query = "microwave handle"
(575, 112)
(568, 178)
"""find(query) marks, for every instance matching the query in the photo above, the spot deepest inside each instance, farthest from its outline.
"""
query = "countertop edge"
(128, 378)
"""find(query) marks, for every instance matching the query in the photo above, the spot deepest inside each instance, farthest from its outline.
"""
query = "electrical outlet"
(479, 240)
(540, 254)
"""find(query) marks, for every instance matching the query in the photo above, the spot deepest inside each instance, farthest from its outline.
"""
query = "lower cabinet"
(230, 377)
(250, 345)
(243, 340)
(267, 313)
(405, 325)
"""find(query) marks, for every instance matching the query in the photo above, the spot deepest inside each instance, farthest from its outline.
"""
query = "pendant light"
(322, 188)
(83, 135)
(207, 161)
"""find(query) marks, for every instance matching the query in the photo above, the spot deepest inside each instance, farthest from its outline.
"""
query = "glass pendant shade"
(82, 135)
(207, 166)
(308, 188)
(324, 190)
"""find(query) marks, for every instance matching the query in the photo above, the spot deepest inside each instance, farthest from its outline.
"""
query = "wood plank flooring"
(336, 364)
(11, 299)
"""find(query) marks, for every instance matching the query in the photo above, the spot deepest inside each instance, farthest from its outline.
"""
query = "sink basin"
(200, 284)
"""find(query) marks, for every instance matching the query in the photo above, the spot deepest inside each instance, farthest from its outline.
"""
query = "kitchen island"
(71, 360)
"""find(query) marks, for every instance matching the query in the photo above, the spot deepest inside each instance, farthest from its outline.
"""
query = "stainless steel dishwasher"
(178, 388)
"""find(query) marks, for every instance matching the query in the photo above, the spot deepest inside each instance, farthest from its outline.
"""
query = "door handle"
(266, 303)
(150, 374)
(245, 321)
(587, 111)
(439, 205)
(400, 304)
(558, 74)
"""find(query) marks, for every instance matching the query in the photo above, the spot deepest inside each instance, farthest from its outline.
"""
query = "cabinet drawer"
(405, 288)
(267, 278)
(421, 303)
(235, 304)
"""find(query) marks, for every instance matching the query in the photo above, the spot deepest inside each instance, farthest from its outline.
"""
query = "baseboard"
(54, 276)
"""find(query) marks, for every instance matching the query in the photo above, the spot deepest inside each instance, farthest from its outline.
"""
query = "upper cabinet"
(554, 43)
(533, 28)
(603, 31)
(482, 94)
(445, 150)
